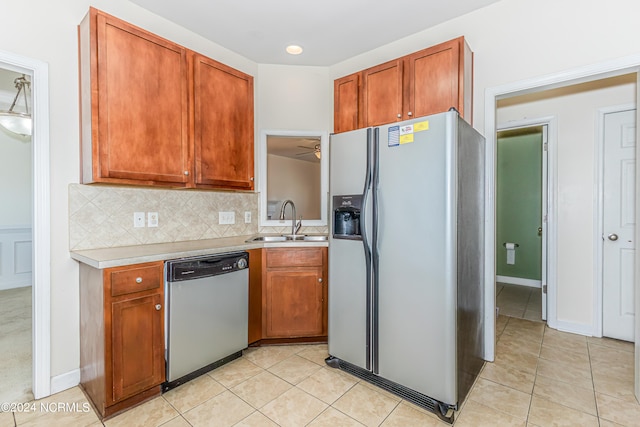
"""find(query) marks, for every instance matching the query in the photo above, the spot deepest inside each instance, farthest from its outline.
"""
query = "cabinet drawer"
(127, 280)
(306, 257)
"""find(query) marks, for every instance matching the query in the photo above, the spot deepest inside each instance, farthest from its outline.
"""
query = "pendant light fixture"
(13, 121)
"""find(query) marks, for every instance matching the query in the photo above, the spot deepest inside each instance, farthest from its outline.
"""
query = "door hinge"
(544, 289)
(545, 146)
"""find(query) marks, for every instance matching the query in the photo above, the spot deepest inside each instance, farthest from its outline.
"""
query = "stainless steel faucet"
(294, 227)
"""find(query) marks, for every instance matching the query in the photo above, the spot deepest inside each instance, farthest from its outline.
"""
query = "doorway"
(41, 219)
(16, 191)
(594, 72)
(521, 191)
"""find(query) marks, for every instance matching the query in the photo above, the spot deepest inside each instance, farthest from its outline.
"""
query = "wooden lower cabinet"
(121, 335)
(293, 294)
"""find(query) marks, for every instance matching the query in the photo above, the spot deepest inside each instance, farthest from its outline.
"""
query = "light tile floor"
(524, 302)
(541, 377)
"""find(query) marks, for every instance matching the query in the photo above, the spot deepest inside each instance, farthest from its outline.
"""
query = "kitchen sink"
(315, 238)
(266, 239)
(288, 238)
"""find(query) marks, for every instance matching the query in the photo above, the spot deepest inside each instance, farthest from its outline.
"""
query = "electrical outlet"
(152, 219)
(247, 217)
(226, 218)
(138, 219)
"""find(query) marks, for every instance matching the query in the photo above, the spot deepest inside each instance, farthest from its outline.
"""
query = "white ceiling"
(330, 31)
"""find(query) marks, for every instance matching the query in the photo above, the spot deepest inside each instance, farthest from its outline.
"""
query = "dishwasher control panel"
(206, 266)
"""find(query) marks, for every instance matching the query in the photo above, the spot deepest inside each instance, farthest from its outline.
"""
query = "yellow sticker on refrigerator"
(420, 126)
(405, 139)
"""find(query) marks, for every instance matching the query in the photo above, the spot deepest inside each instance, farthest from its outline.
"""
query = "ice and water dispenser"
(346, 217)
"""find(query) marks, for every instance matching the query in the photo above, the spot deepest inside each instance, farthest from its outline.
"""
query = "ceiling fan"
(315, 150)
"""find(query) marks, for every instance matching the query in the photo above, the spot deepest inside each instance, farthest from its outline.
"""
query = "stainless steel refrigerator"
(406, 255)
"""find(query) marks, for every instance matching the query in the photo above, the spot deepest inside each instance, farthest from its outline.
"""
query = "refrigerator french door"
(406, 294)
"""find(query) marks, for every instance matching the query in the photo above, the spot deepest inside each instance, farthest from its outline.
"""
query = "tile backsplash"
(102, 216)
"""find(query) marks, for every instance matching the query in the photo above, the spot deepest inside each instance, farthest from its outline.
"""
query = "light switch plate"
(226, 218)
(138, 219)
(152, 219)
(247, 217)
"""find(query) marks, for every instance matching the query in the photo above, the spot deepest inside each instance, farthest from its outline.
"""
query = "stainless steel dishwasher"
(207, 300)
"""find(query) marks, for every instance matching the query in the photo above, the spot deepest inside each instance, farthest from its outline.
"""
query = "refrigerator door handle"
(374, 250)
(366, 245)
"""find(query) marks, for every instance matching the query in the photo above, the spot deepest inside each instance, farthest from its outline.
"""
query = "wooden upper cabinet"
(346, 95)
(426, 82)
(382, 93)
(134, 88)
(223, 125)
(439, 78)
(155, 113)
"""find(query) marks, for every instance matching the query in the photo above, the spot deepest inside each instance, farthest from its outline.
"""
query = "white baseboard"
(575, 328)
(519, 281)
(65, 381)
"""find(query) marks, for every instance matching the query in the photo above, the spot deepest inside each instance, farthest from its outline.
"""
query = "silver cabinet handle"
(138, 279)
(409, 114)
(320, 279)
(399, 115)
(186, 172)
(613, 237)
(158, 307)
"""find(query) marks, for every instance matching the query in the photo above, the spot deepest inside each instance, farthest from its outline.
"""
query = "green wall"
(519, 202)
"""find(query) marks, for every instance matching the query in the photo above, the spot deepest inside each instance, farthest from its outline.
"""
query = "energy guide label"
(394, 136)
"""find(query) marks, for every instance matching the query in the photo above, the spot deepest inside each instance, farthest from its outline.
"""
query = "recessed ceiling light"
(294, 49)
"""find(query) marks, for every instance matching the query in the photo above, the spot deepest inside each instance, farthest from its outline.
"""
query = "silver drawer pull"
(158, 307)
(320, 279)
(138, 279)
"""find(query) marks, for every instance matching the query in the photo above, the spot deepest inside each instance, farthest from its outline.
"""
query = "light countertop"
(127, 255)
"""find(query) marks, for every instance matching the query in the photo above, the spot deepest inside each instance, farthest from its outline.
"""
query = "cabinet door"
(346, 91)
(294, 303)
(137, 346)
(382, 93)
(140, 115)
(434, 80)
(223, 130)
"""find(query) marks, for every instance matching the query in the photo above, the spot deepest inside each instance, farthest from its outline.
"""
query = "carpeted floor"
(15, 345)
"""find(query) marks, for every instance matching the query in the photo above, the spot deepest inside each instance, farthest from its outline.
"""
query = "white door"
(619, 225)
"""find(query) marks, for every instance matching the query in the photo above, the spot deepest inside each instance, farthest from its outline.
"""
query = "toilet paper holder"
(515, 244)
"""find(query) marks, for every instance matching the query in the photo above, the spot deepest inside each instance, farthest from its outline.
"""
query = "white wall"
(294, 98)
(297, 180)
(576, 111)
(15, 164)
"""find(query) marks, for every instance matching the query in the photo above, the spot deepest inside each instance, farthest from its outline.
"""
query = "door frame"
(41, 293)
(625, 65)
(549, 205)
(599, 209)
